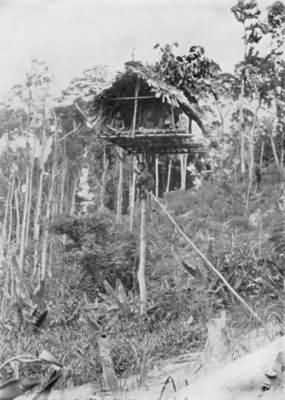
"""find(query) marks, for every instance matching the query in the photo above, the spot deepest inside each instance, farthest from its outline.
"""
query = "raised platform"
(155, 142)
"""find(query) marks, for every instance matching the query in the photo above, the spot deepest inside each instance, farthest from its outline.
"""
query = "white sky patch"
(72, 35)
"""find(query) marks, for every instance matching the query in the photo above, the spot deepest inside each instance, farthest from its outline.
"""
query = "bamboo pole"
(133, 181)
(120, 188)
(142, 262)
(209, 264)
(168, 176)
(156, 175)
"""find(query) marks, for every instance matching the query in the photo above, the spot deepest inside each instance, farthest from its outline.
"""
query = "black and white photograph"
(142, 199)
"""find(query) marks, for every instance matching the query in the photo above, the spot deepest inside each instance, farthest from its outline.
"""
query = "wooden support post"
(133, 182)
(156, 175)
(120, 187)
(142, 263)
(183, 125)
(168, 176)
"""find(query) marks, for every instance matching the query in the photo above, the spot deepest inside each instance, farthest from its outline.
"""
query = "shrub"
(103, 250)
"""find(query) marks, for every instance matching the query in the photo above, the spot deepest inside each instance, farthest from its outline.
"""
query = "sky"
(73, 35)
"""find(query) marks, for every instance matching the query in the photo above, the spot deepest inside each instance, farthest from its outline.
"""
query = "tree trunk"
(261, 155)
(62, 188)
(142, 263)
(6, 211)
(242, 136)
(282, 150)
(30, 198)
(18, 219)
(104, 180)
(37, 221)
(45, 242)
(274, 151)
(120, 187)
(73, 197)
(10, 225)
(24, 222)
(251, 152)
(63, 181)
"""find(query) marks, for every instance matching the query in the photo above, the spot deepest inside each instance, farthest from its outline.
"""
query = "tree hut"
(139, 113)
(148, 109)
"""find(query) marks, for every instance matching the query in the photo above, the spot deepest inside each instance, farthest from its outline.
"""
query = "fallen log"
(83, 392)
(242, 379)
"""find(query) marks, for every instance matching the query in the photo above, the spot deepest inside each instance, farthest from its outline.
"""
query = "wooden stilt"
(168, 176)
(157, 175)
(142, 263)
(120, 188)
(133, 182)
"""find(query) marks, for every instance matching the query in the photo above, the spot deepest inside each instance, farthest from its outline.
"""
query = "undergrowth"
(244, 243)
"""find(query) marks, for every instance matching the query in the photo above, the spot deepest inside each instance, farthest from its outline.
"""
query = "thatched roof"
(151, 84)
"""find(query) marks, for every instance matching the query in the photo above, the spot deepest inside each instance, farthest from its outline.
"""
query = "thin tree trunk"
(73, 197)
(261, 155)
(142, 263)
(120, 187)
(10, 225)
(242, 135)
(156, 175)
(282, 150)
(274, 151)
(251, 154)
(274, 133)
(251, 146)
(6, 212)
(37, 220)
(29, 206)
(24, 222)
(44, 255)
(104, 179)
(18, 219)
(5, 250)
(8, 207)
(5, 253)
(63, 181)
(133, 181)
